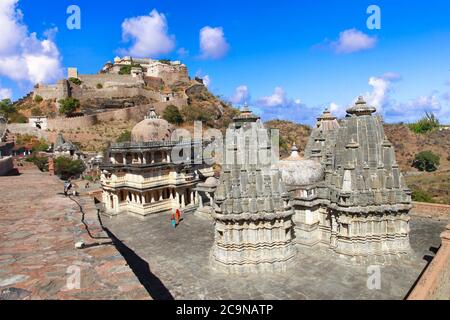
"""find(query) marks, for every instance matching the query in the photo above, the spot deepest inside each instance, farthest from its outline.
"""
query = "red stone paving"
(38, 231)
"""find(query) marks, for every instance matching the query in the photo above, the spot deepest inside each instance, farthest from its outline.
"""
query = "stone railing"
(434, 284)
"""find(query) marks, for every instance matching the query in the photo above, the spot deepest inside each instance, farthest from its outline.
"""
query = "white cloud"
(183, 53)
(148, 35)
(207, 81)
(337, 110)
(406, 111)
(213, 44)
(5, 93)
(24, 57)
(353, 40)
(277, 99)
(241, 95)
(380, 92)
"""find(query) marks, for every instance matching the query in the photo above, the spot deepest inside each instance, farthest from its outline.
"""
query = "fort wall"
(57, 91)
(27, 128)
(127, 114)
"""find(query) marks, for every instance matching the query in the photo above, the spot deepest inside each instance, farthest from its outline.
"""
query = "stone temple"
(346, 195)
(349, 194)
(140, 177)
(253, 214)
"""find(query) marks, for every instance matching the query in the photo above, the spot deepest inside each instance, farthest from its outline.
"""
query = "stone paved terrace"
(38, 230)
(180, 259)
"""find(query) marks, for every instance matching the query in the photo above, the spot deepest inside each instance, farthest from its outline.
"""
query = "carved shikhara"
(347, 195)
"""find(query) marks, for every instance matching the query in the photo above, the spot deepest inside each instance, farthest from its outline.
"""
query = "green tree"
(124, 137)
(99, 86)
(66, 168)
(68, 106)
(40, 162)
(75, 81)
(426, 124)
(172, 115)
(38, 99)
(426, 161)
(41, 146)
(6, 107)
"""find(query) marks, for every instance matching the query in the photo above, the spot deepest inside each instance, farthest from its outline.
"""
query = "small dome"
(151, 129)
(296, 171)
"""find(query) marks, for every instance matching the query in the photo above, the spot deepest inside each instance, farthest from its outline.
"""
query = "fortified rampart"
(26, 128)
(57, 91)
(133, 113)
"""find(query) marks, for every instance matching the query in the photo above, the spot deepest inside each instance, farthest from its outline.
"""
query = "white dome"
(296, 171)
(152, 128)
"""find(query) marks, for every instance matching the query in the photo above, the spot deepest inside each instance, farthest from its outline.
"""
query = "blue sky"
(288, 59)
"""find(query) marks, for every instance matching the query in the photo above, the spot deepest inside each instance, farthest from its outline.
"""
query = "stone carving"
(360, 208)
(252, 214)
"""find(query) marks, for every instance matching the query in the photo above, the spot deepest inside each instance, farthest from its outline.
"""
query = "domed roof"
(152, 128)
(296, 171)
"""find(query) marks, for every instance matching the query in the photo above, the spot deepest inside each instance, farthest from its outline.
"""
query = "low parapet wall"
(6, 165)
(430, 209)
(434, 284)
(27, 128)
(127, 114)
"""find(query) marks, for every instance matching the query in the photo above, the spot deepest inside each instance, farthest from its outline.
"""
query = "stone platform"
(38, 231)
(150, 259)
(180, 259)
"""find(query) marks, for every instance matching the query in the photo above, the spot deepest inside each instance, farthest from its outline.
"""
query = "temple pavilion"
(140, 178)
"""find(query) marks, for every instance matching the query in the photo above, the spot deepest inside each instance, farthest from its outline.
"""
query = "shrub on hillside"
(38, 99)
(17, 117)
(68, 106)
(36, 112)
(426, 124)
(66, 168)
(422, 196)
(75, 81)
(124, 137)
(173, 115)
(426, 161)
(191, 113)
(99, 86)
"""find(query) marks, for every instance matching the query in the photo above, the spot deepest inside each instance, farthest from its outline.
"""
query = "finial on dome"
(152, 114)
(361, 108)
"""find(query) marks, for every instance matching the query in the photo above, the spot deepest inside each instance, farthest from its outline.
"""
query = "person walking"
(173, 221)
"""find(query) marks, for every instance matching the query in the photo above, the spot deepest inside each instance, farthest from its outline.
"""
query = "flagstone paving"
(180, 259)
(38, 260)
(149, 259)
